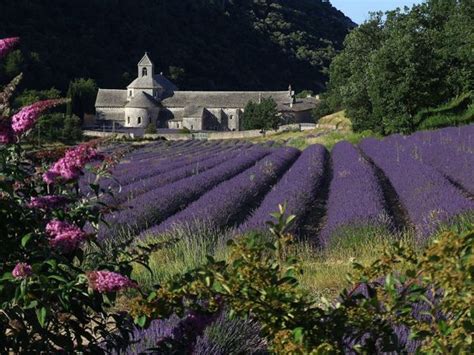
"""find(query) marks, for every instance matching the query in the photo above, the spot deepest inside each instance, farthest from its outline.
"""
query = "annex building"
(152, 98)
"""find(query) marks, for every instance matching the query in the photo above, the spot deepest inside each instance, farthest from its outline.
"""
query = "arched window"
(139, 120)
(144, 72)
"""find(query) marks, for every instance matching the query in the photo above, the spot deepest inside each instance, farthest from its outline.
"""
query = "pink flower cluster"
(27, 117)
(70, 166)
(47, 202)
(22, 271)
(107, 281)
(7, 44)
(64, 236)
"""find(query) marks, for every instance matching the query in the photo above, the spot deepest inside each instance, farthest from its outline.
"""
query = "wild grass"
(188, 249)
(339, 120)
(325, 270)
(324, 136)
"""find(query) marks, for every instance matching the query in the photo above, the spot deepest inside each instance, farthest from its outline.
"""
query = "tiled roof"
(153, 82)
(305, 104)
(111, 98)
(222, 99)
(142, 100)
(193, 111)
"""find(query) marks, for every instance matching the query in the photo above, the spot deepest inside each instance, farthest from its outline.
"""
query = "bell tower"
(145, 67)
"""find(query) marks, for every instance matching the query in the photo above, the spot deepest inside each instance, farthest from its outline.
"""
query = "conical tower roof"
(142, 100)
(145, 60)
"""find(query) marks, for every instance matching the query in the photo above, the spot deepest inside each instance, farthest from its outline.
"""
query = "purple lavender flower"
(153, 207)
(232, 200)
(297, 189)
(428, 197)
(355, 195)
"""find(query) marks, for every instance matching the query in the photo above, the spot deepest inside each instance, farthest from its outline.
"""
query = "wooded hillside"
(200, 44)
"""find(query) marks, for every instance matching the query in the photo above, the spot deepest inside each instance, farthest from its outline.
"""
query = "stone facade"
(152, 98)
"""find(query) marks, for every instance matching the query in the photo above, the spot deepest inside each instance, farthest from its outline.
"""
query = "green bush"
(397, 64)
(56, 127)
(263, 115)
(260, 281)
(151, 128)
(456, 112)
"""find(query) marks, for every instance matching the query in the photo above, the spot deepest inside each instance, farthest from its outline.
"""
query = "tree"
(82, 93)
(151, 128)
(263, 115)
(14, 64)
(395, 66)
(177, 74)
(304, 93)
(28, 97)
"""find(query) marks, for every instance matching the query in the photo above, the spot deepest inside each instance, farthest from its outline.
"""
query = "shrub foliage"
(396, 65)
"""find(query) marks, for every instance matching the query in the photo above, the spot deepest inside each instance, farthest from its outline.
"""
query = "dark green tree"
(151, 128)
(28, 97)
(263, 115)
(395, 66)
(82, 93)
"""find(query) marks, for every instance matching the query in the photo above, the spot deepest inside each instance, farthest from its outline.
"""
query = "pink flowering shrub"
(64, 236)
(107, 281)
(70, 166)
(7, 44)
(51, 296)
(48, 202)
(24, 120)
(22, 271)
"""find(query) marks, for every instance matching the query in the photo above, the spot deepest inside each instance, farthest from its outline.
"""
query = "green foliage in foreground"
(262, 115)
(261, 281)
(394, 66)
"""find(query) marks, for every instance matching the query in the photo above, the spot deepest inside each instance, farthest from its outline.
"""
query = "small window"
(231, 117)
(177, 125)
(128, 119)
(144, 72)
(192, 127)
(130, 93)
(139, 120)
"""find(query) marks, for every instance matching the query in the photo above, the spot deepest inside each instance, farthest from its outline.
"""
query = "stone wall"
(147, 116)
(111, 113)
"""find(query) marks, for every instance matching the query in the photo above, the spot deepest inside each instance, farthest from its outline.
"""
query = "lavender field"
(400, 183)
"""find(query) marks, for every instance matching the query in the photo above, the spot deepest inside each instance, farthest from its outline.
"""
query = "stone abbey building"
(152, 98)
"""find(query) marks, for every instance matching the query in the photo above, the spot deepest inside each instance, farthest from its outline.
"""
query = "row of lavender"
(164, 200)
(238, 184)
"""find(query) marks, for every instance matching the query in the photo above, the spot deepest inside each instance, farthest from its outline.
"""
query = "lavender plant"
(229, 202)
(143, 211)
(427, 195)
(296, 189)
(355, 195)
